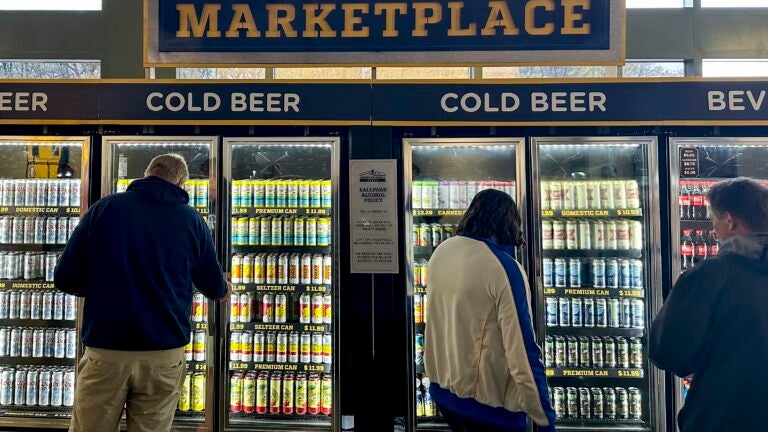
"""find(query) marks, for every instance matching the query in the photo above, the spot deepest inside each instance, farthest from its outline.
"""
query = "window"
(221, 73)
(735, 68)
(317, 73)
(51, 5)
(650, 69)
(422, 73)
(550, 72)
(50, 69)
(734, 3)
(656, 3)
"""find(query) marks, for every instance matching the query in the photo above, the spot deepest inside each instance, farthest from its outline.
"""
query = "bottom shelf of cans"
(192, 398)
(36, 390)
(592, 406)
(286, 395)
(426, 409)
(28, 344)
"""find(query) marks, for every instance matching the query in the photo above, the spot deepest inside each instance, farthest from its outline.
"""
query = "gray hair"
(170, 167)
(745, 199)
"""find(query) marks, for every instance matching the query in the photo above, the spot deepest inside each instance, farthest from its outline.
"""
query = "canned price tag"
(315, 211)
(234, 365)
(629, 374)
(423, 212)
(547, 213)
(630, 293)
(239, 210)
(629, 212)
(450, 212)
(202, 211)
(237, 326)
(201, 326)
(550, 372)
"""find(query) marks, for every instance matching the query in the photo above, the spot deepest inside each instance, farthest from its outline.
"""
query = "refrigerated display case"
(442, 177)
(43, 190)
(696, 164)
(597, 266)
(124, 159)
(280, 368)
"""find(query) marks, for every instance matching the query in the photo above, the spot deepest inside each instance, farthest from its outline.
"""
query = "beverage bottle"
(685, 202)
(686, 251)
(697, 204)
(704, 192)
(714, 244)
(700, 247)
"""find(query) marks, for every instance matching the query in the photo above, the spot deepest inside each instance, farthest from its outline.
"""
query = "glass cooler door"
(43, 190)
(281, 333)
(597, 214)
(443, 176)
(124, 160)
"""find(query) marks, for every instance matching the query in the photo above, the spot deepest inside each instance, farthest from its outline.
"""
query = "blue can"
(598, 273)
(600, 313)
(638, 313)
(625, 274)
(551, 312)
(613, 313)
(565, 311)
(574, 272)
(626, 313)
(589, 312)
(612, 273)
(547, 273)
(636, 274)
(560, 273)
(576, 315)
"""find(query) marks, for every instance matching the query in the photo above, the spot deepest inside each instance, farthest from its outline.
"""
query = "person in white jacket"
(480, 351)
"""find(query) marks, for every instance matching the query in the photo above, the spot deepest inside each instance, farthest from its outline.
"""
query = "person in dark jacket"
(134, 258)
(714, 324)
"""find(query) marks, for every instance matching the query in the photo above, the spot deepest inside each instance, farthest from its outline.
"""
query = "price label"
(629, 212)
(237, 326)
(550, 291)
(201, 326)
(630, 293)
(315, 328)
(423, 212)
(200, 366)
(314, 368)
(239, 210)
(238, 365)
(629, 374)
(420, 290)
(5, 210)
(315, 288)
(547, 213)
(72, 210)
(450, 212)
(315, 211)
(3, 285)
(550, 372)
(238, 288)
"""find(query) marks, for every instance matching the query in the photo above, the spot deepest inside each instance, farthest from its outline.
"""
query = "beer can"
(614, 313)
(622, 352)
(638, 313)
(585, 353)
(635, 404)
(326, 395)
(29, 230)
(70, 307)
(547, 272)
(549, 351)
(236, 194)
(30, 193)
(249, 393)
(546, 235)
(254, 225)
(262, 392)
(314, 393)
(50, 266)
(70, 347)
(13, 305)
(292, 193)
(198, 346)
(246, 307)
(270, 352)
(288, 230)
(569, 195)
(51, 224)
(622, 235)
(555, 195)
(315, 193)
(560, 351)
(622, 403)
(327, 269)
(62, 230)
(305, 348)
(259, 192)
(327, 348)
(4, 342)
(38, 342)
(597, 352)
(565, 312)
(558, 401)
(589, 312)
(188, 356)
(585, 403)
(184, 397)
(305, 306)
(234, 308)
(277, 231)
(293, 347)
(271, 266)
(281, 308)
(573, 351)
(29, 265)
(620, 194)
(282, 348)
(189, 187)
(636, 352)
(626, 313)
(25, 304)
(317, 309)
(317, 269)
(6, 192)
(635, 235)
(259, 347)
(416, 201)
(597, 403)
(598, 235)
(558, 235)
(607, 196)
(551, 310)
(14, 343)
(19, 192)
(304, 193)
(20, 387)
(4, 305)
(317, 348)
(609, 397)
(299, 231)
(574, 272)
(323, 231)
(580, 198)
(265, 231)
(310, 231)
(281, 193)
(270, 193)
(198, 392)
(300, 392)
(44, 392)
(282, 268)
(545, 196)
(636, 273)
(576, 309)
(328, 308)
(571, 240)
(326, 193)
(611, 273)
(288, 396)
(611, 235)
(268, 308)
(593, 195)
(260, 268)
(236, 392)
(561, 272)
(39, 230)
(275, 402)
(5, 232)
(57, 388)
(68, 388)
(235, 338)
(584, 236)
(424, 272)
(598, 273)
(572, 402)
(610, 352)
(198, 306)
(306, 269)
(601, 313)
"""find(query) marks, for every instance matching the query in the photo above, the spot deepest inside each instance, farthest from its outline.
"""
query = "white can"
(598, 235)
(556, 195)
(426, 195)
(569, 195)
(622, 235)
(571, 237)
(327, 269)
(611, 234)
(593, 195)
(558, 235)
(620, 194)
(584, 236)
(545, 196)
(581, 195)
(633, 194)
(606, 195)
(635, 235)
(546, 235)
(416, 195)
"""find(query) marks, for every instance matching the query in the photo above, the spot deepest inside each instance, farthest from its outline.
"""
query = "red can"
(249, 393)
(275, 402)
(262, 392)
(198, 308)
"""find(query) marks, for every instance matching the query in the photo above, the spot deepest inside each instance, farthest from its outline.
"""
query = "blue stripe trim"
(476, 412)
(526, 325)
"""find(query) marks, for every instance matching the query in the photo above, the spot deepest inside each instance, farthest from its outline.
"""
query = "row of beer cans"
(444, 194)
(196, 349)
(28, 265)
(197, 189)
(40, 192)
(192, 397)
(281, 347)
(279, 307)
(37, 386)
(593, 352)
(282, 268)
(595, 312)
(28, 342)
(37, 305)
(431, 235)
(278, 393)
(612, 403)
(420, 308)
(593, 272)
(425, 405)
(37, 229)
(282, 193)
(597, 234)
(281, 231)
(590, 195)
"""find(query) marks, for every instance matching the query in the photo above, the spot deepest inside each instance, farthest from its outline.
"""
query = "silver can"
(29, 265)
(6, 226)
(6, 386)
(64, 193)
(14, 343)
(50, 341)
(50, 266)
(74, 192)
(293, 347)
(4, 335)
(44, 394)
(58, 306)
(258, 347)
(52, 194)
(38, 343)
(25, 304)
(317, 342)
(13, 305)
(70, 350)
(17, 230)
(57, 387)
(50, 230)
(4, 304)
(282, 348)
(68, 388)
(41, 193)
(584, 235)
(70, 307)
(60, 344)
(36, 306)
(30, 193)
(71, 225)
(26, 342)
(62, 230)
(20, 387)
(305, 348)
(6, 192)
(19, 190)
(29, 230)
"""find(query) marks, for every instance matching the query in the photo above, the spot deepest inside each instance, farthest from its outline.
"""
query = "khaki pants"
(147, 383)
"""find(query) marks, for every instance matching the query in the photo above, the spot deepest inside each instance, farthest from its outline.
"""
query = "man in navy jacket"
(134, 258)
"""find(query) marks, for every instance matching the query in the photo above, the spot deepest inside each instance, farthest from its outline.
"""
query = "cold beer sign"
(379, 32)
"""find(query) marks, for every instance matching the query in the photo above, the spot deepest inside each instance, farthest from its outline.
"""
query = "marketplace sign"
(383, 32)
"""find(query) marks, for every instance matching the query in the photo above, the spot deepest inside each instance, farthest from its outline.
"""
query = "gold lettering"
(572, 17)
(315, 20)
(420, 9)
(209, 18)
(455, 29)
(390, 13)
(530, 17)
(499, 16)
(352, 19)
(276, 21)
(242, 20)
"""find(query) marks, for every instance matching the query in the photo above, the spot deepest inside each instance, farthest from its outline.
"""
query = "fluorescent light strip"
(39, 143)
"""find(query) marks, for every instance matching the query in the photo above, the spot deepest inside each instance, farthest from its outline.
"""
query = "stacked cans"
(196, 349)
(611, 403)
(199, 308)
(281, 231)
(593, 272)
(425, 406)
(29, 342)
(28, 265)
(282, 268)
(198, 192)
(590, 195)
(37, 305)
(419, 308)
(280, 307)
(456, 195)
(591, 234)
(593, 352)
(37, 386)
(192, 397)
(595, 312)
(281, 393)
(37, 229)
(280, 193)
(281, 347)
(40, 193)
(431, 235)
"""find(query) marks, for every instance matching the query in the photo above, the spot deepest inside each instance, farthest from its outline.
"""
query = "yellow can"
(198, 392)
(315, 193)
(184, 402)
(326, 192)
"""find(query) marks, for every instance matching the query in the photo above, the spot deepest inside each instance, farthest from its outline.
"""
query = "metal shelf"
(286, 288)
(282, 248)
(595, 331)
(282, 327)
(31, 247)
(595, 292)
(39, 211)
(35, 411)
(592, 253)
(281, 211)
(26, 284)
(37, 361)
(566, 372)
(280, 367)
(601, 213)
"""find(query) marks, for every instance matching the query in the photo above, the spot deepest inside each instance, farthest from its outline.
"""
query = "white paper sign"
(373, 215)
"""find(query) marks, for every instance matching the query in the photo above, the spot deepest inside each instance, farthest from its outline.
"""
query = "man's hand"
(229, 289)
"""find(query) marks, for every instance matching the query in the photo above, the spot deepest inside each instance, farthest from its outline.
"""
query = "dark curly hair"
(493, 214)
